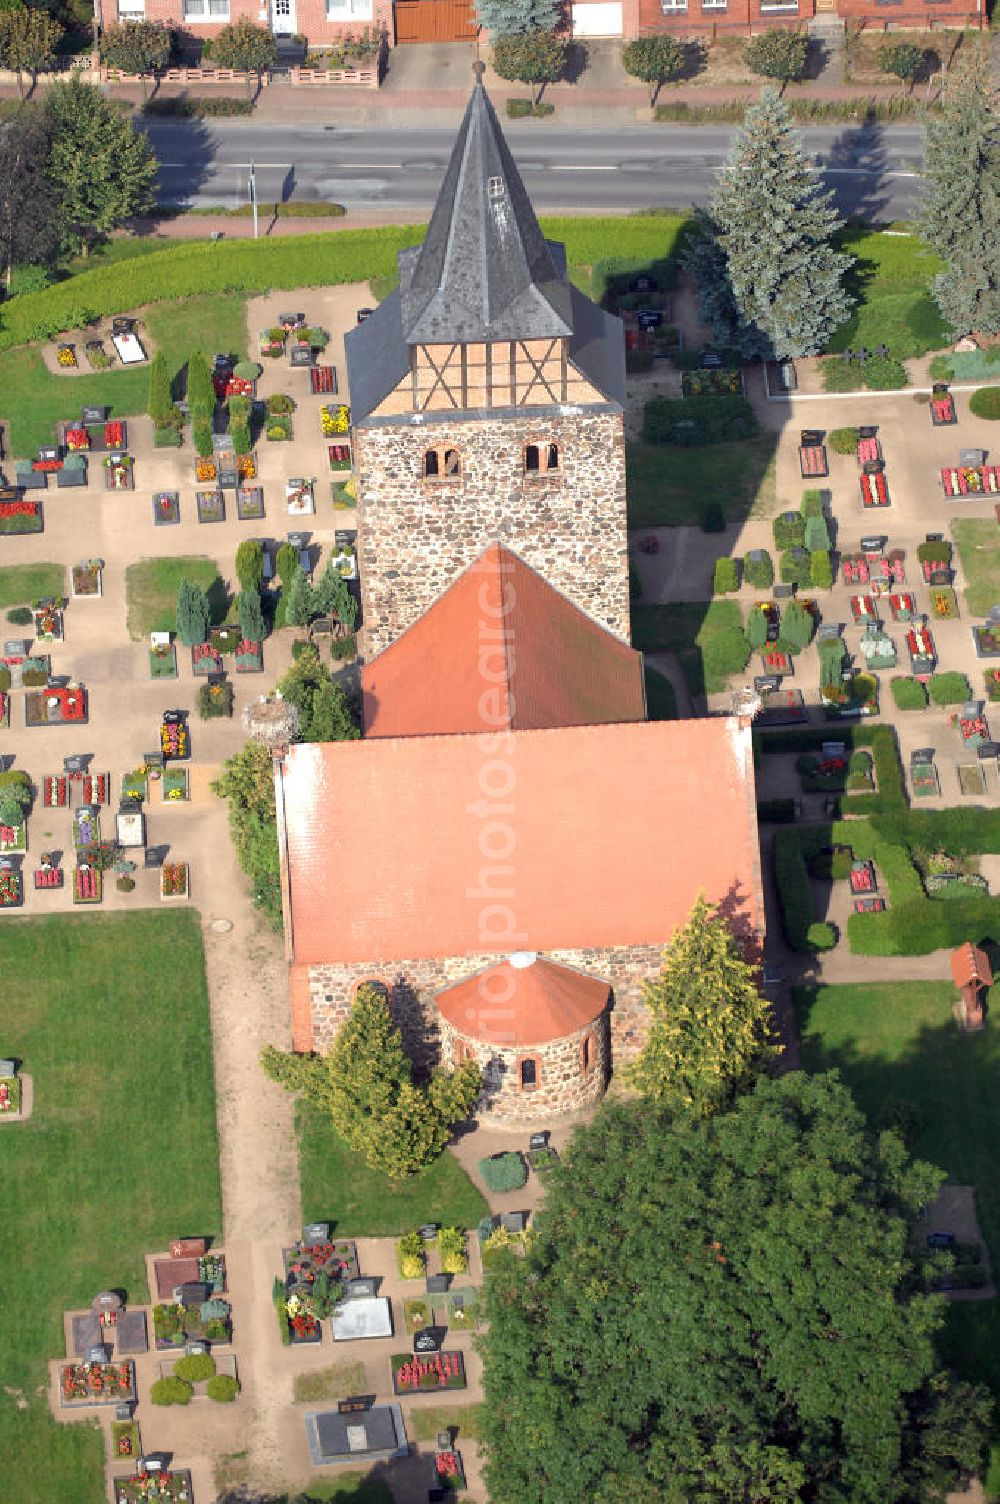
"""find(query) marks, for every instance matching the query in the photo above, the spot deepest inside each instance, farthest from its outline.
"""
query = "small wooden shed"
(972, 975)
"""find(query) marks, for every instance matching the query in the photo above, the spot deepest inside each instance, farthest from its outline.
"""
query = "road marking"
(374, 166)
(866, 172)
(593, 167)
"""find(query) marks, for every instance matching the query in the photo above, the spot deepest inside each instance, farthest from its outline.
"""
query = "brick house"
(635, 18)
(510, 846)
(323, 22)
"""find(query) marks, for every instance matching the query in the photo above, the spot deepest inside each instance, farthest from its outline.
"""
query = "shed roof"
(969, 964)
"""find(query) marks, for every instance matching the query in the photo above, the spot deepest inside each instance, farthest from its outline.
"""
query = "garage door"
(601, 20)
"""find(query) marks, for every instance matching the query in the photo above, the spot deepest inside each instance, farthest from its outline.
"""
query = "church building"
(511, 845)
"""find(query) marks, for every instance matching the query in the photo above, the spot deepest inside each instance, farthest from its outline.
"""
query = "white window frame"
(673, 7)
(349, 10)
(789, 7)
(131, 10)
(198, 10)
(714, 4)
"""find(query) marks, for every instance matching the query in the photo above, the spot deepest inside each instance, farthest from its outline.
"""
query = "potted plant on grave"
(174, 881)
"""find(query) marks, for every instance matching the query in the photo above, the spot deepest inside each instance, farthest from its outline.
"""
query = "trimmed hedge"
(843, 440)
(186, 270)
(986, 402)
(820, 570)
(796, 567)
(880, 741)
(758, 569)
(789, 531)
(791, 879)
(727, 577)
(171, 1391)
(195, 1367)
(821, 936)
(812, 504)
(817, 535)
(776, 811)
(908, 694)
(223, 1388)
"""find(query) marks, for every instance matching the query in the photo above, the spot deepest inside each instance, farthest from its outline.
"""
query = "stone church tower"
(486, 398)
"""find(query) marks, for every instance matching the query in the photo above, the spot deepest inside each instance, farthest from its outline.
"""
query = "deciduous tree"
(726, 1308)
(960, 220)
(902, 60)
(530, 57)
(365, 1083)
(655, 60)
(28, 39)
(29, 224)
(246, 46)
(711, 1031)
(101, 169)
(770, 282)
(141, 47)
(777, 54)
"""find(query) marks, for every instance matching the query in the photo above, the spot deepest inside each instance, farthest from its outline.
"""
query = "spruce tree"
(507, 18)
(300, 603)
(200, 391)
(160, 403)
(770, 282)
(251, 616)
(193, 614)
(333, 597)
(961, 214)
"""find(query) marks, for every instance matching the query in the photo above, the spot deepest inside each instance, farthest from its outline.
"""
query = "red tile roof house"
(511, 845)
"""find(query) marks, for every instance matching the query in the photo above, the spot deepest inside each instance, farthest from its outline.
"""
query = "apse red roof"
(401, 848)
(508, 651)
(531, 1001)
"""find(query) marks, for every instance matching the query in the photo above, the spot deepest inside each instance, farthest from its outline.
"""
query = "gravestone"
(922, 756)
(49, 452)
(99, 1353)
(316, 1232)
(302, 355)
(783, 592)
(324, 626)
(192, 1294)
(344, 537)
(7, 1069)
(17, 647)
(644, 283)
(298, 539)
(123, 1410)
(229, 480)
(355, 1403)
(988, 749)
(194, 1347)
(993, 616)
(539, 1140)
(513, 1221)
(437, 1284)
(873, 543)
(428, 1341)
(153, 759)
(650, 318)
(95, 414)
(428, 1231)
(361, 1289)
(767, 683)
(972, 457)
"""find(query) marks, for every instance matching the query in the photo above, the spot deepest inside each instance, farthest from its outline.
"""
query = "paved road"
(872, 170)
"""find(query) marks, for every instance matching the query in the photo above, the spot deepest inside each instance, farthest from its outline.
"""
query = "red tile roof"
(970, 964)
(508, 651)
(532, 1001)
(542, 840)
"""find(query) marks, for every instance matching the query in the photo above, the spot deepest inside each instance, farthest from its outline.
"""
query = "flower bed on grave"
(920, 645)
(345, 563)
(448, 1469)
(211, 506)
(971, 480)
(55, 707)
(175, 785)
(163, 662)
(246, 466)
(48, 621)
(48, 877)
(942, 407)
(66, 357)
(88, 885)
(96, 1383)
(249, 657)
(21, 517)
(335, 1261)
(86, 579)
(299, 498)
(174, 880)
(863, 608)
(413, 1374)
(874, 491)
(205, 469)
(86, 827)
(175, 743)
(174, 1324)
(4, 710)
(225, 639)
(322, 380)
(869, 450)
(119, 472)
(334, 419)
(812, 461)
(134, 784)
(166, 508)
(973, 729)
(13, 837)
(339, 456)
(10, 1095)
(249, 503)
(987, 641)
(278, 429)
(944, 603)
(304, 1326)
(124, 1439)
(205, 659)
(95, 788)
(903, 606)
(862, 878)
(11, 888)
(164, 1487)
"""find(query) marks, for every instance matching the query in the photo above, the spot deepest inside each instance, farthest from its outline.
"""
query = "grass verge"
(707, 637)
(333, 1383)
(119, 1155)
(21, 583)
(425, 1421)
(670, 486)
(151, 587)
(337, 1186)
(978, 542)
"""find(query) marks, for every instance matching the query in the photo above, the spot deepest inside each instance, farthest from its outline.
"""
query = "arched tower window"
(541, 459)
(528, 1072)
(588, 1054)
(442, 464)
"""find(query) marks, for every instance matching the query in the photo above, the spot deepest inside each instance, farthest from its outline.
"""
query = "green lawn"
(151, 587)
(337, 1186)
(21, 583)
(425, 1421)
(895, 308)
(119, 1155)
(707, 637)
(33, 398)
(670, 485)
(978, 542)
(898, 1043)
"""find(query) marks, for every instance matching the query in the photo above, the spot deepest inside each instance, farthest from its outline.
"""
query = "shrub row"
(248, 266)
(697, 420)
(880, 741)
(794, 893)
(917, 929)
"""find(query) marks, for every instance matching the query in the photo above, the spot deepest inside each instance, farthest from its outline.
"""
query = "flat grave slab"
(86, 1332)
(130, 1333)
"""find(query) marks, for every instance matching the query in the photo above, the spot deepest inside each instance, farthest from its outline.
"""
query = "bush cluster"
(758, 569)
(986, 402)
(843, 440)
(697, 420)
(909, 694)
(503, 1172)
(879, 740)
(789, 531)
(949, 689)
(794, 893)
(727, 576)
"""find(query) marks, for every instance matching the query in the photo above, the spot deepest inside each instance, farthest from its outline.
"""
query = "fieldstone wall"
(415, 536)
(562, 1086)
(413, 986)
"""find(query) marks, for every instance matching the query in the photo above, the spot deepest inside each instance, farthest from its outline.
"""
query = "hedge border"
(879, 740)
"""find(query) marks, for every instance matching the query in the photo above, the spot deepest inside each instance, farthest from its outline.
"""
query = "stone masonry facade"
(570, 1073)
(415, 536)
(413, 985)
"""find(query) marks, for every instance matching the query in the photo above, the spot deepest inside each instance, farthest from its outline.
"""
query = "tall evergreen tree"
(300, 600)
(193, 614)
(770, 282)
(333, 597)
(961, 212)
(507, 18)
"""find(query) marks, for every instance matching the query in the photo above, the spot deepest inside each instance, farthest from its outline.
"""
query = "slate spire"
(485, 271)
